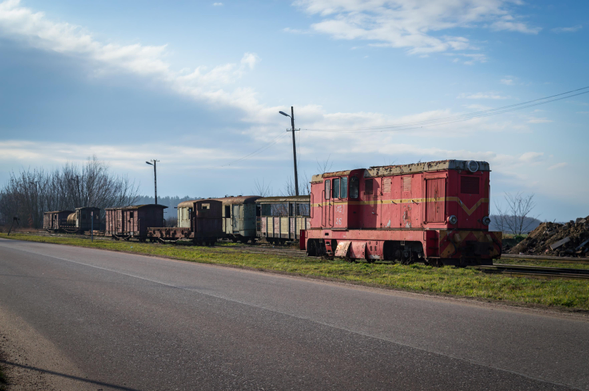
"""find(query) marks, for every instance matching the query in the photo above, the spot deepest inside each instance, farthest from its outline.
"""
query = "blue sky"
(198, 86)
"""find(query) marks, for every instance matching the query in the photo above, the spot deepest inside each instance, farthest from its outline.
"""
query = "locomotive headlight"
(486, 220)
(472, 165)
(452, 219)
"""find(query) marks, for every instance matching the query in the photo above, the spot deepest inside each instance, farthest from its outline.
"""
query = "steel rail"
(536, 271)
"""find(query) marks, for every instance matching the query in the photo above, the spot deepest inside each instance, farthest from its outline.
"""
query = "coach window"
(354, 187)
(336, 187)
(327, 189)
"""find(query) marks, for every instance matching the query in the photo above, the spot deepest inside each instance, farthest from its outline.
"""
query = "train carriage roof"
(276, 200)
(225, 200)
(136, 207)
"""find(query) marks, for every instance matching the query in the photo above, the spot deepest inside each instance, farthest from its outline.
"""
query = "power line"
(253, 153)
(463, 117)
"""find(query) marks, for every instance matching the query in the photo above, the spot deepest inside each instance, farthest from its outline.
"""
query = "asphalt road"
(78, 319)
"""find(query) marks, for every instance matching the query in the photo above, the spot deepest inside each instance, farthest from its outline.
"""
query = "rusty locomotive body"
(436, 212)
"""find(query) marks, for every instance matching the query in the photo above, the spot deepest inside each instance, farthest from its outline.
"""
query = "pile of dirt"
(564, 240)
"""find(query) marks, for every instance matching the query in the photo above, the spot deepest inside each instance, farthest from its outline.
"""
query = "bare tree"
(324, 166)
(32, 192)
(262, 189)
(515, 218)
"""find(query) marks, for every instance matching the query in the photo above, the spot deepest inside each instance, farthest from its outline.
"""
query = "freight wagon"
(281, 219)
(132, 221)
(205, 225)
(238, 216)
(77, 221)
(436, 212)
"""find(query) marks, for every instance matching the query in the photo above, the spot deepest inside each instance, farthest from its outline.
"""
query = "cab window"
(354, 187)
(336, 188)
(344, 189)
(327, 189)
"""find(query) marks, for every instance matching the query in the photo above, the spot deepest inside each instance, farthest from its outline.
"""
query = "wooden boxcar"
(84, 219)
(205, 225)
(238, 216)
(78, 221)
(133, 221)
(55, 220)
(435, 211)
(281, 219)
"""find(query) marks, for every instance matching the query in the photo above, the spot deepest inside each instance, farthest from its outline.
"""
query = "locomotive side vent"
(469, 185)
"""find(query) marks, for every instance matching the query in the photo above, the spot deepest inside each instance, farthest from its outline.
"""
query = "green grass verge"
(462, 282)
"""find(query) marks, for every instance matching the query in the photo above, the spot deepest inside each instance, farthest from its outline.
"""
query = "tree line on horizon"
(30, 193)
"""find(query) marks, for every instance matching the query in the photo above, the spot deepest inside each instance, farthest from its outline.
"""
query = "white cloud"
(129, 157)
(532, 157)
(507, 23)
(201, 83)
(557, 166)
(507, 82)
(567, 29)
(410, 24)
(217, 4)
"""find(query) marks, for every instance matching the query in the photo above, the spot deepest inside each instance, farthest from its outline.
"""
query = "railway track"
(545, 258)
(536, 271)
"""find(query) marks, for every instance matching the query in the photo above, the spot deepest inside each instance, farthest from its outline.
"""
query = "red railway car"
(436, 212)
(132, 221)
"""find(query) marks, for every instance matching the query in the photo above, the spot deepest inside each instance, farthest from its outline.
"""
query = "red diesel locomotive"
(434, 212)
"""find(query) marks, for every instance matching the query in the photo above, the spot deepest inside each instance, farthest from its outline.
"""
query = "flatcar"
(281, 219)
(435, 212)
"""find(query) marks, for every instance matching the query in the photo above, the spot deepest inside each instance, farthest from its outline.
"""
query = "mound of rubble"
(563, 240)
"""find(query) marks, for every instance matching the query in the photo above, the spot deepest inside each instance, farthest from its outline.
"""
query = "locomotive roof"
(414, 168)
(300, 198)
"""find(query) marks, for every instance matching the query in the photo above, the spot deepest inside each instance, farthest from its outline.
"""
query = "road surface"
(83, 319)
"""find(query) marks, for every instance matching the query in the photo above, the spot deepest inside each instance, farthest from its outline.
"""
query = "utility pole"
(154, 164)
(294, 147)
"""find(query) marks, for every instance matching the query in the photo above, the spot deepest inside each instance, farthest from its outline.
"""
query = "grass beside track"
(461, 282)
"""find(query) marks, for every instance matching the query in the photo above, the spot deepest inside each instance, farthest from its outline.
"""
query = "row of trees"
(30, 193)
